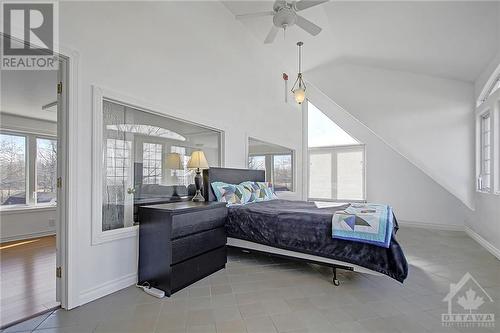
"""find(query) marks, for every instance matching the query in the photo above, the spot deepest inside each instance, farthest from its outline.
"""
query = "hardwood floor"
(28, 282)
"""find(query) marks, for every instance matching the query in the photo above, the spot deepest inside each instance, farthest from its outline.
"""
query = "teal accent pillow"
(231, 194)
(261, 191)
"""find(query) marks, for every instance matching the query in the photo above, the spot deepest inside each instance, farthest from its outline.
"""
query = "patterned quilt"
(366, 223)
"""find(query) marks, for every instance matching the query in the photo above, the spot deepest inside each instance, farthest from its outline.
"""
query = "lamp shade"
(197, 160)
(300, 95)
(174, 161)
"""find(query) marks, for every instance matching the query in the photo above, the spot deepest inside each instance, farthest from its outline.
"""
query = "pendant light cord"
(299, 44)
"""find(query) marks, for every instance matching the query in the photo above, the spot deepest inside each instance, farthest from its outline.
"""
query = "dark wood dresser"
(181, 243)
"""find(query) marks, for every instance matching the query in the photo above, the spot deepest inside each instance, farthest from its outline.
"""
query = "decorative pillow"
(254, 190)
(261, 191)
(231, 194)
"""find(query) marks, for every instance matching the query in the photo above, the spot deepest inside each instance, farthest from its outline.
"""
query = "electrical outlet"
(52, 222)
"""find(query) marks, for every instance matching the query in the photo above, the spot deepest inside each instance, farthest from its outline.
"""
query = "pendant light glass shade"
(300, 95)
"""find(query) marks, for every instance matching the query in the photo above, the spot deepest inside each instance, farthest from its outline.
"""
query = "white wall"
(210, 72)
(28, 223)
(481, 81)
(21, 224)
(485, 220)
(492, 65)
(428, 120)
(12, 122)
(392, 179)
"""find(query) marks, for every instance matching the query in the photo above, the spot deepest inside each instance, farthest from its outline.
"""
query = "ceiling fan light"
(300, 95)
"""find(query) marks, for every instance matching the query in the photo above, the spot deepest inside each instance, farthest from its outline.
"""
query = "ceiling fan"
(285, 15)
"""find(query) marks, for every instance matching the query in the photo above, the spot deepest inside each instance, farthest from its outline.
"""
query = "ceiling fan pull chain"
(285, 78)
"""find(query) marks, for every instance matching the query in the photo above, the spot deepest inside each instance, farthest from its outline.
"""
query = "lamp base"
(198, 197)
(197, 182)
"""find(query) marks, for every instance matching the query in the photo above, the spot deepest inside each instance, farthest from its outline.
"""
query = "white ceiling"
(25, 92)
(447, 39)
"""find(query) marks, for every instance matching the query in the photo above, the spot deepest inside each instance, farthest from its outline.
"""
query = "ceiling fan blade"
(304, 4)
(252, 15)
(307, 25)
(271, 35)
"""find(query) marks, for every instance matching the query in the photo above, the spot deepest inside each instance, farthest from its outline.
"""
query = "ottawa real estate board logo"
(468, 303)
(29, 35)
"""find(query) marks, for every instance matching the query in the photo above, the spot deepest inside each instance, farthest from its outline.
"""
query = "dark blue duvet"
(302, 227)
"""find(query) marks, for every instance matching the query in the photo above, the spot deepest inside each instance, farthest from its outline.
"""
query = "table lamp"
(198, 162)
(174, 161)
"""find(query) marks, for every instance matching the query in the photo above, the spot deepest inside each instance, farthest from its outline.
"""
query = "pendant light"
(299, 87)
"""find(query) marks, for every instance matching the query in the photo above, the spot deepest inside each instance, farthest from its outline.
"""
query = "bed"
(299, 230)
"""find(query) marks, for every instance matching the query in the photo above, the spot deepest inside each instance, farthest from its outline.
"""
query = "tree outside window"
(46, 170)
(12, 169)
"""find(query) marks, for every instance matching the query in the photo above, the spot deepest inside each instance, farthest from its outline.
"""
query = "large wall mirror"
(277, 161)
(141, 159)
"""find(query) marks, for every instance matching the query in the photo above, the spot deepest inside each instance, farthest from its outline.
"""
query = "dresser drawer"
(194, 222)
(189, 271)
(186, 247)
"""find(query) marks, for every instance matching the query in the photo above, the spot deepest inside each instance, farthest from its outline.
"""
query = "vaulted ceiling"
(454, 40)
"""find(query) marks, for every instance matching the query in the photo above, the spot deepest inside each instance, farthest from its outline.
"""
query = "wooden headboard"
(230, 176)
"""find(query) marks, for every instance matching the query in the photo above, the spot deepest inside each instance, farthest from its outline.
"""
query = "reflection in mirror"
(145, 161)
(276, 160)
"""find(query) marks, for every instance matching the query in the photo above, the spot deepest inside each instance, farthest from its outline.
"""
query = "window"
(152, 163)
(22, 173)
(336, 161)
(13, 169)
(494, 87)
(282, 172)
(276, 160)
(484, 181)
(46, 171)
(257, 162)
(496, 146)
(488, 137)
(181, 175)
(337, 173)
(324, 132)
(489, 90)
(117, 161)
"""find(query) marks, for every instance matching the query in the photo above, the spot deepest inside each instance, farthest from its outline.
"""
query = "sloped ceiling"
(448, 39)
(427, 120)
(405, 69)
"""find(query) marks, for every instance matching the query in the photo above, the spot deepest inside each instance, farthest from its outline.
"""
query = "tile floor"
(261, 294)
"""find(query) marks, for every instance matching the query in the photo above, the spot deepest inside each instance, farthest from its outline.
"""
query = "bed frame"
(236, 176)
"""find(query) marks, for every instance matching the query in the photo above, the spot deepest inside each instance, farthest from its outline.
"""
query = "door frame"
(68, 209)
(66, 216)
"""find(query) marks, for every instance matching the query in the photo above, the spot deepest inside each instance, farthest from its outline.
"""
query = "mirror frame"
(99, 95)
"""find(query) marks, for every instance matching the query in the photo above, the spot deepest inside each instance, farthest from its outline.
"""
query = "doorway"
(33, 163)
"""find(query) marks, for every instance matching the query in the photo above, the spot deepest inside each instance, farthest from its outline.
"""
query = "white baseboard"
(27, 236)
(483, 242)
(434, 226)
(107, 288)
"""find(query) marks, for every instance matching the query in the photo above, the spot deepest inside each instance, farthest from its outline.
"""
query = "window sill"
(484, 192)
(100, 237)
(26, 209)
